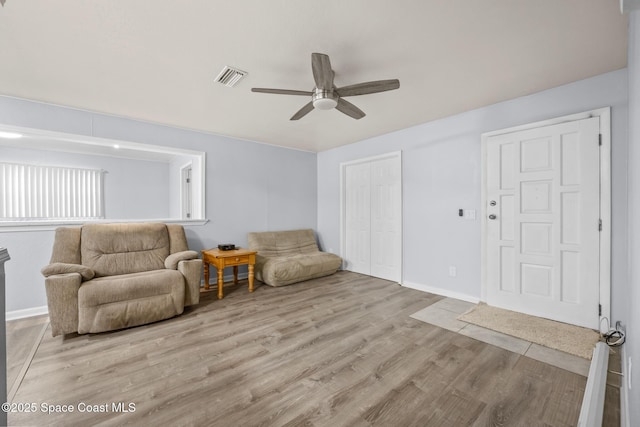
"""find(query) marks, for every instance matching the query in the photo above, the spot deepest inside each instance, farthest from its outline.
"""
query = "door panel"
(358, 218)
(543, 241)
(386, 210)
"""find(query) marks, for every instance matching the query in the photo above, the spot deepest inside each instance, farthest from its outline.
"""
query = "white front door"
(543, 213)
(372, 216)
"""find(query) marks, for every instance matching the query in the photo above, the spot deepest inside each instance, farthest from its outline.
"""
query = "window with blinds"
(32, 192)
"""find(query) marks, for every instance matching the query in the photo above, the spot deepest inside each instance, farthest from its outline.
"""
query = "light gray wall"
(632, 290)
(249, 187)
(133, 189)
(442, 172)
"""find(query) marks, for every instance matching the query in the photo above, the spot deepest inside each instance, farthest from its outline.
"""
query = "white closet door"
(372, 217)
(386, 219)
(358, 218)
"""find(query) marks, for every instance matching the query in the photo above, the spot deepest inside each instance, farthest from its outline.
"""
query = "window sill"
(13, 226)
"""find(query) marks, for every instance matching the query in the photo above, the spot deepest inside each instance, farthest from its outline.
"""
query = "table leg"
(220, 282)
(206, 275)
(235, 274)
(250, 277)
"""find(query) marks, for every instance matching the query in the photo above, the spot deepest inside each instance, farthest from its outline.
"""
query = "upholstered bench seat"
(286, 257)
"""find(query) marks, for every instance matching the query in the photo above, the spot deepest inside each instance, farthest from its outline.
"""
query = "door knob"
(492, 216)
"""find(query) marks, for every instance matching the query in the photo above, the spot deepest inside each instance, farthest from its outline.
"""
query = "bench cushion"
(283, 243)
(285, 270)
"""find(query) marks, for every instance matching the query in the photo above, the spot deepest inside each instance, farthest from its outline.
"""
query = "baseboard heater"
(593, 401)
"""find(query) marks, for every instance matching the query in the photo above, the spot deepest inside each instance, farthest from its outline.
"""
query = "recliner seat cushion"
(116, 302)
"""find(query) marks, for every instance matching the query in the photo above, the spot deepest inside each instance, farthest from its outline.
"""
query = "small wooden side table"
(221, 259)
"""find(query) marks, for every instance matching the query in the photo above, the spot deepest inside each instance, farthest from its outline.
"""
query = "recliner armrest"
(62, 300)
(171, 263)
(191, 269)
(64, 268)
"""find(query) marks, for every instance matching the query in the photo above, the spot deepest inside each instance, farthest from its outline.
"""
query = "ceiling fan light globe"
(325, 103)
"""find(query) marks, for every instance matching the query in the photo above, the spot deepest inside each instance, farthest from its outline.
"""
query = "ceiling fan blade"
(281, 91)
(349, 109)
(302, 112)
(369, 87)
(322, 72)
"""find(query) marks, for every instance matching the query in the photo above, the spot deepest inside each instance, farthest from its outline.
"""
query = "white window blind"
(31, 192)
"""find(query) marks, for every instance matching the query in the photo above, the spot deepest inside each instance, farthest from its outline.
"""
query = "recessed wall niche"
(141, 181)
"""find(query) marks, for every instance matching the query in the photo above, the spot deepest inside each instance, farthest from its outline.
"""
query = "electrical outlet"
(452, 271)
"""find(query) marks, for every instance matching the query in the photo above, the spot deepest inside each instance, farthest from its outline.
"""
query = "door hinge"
(599, 309)
(599, 225)
(599, 139)
(188, 180)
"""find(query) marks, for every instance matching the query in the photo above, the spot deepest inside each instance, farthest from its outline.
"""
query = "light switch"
(470, 214)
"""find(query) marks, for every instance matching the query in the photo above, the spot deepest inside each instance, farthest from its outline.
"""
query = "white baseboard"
(443, 292)
(27, 312)
(592, 410)
(624, 390)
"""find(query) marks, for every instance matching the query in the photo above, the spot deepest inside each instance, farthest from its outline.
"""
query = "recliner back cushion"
(112, 249)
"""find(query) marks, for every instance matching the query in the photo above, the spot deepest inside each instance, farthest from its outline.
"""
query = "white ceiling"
(156, 60)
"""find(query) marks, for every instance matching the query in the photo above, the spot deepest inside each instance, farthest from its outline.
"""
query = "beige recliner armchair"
(104, 277)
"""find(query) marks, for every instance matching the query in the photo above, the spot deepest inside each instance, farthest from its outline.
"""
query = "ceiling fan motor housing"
(324, 99)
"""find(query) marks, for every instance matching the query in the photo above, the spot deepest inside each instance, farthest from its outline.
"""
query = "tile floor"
(444, 314)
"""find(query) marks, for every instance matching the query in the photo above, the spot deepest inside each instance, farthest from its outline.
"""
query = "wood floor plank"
(21, 336)
(336, 351)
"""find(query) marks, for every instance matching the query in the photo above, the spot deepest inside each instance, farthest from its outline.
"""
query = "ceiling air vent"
(230, 76)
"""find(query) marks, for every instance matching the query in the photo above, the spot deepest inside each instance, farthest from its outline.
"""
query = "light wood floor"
(336, 351)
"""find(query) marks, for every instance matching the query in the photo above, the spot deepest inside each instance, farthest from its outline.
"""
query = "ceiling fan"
(326, 96)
